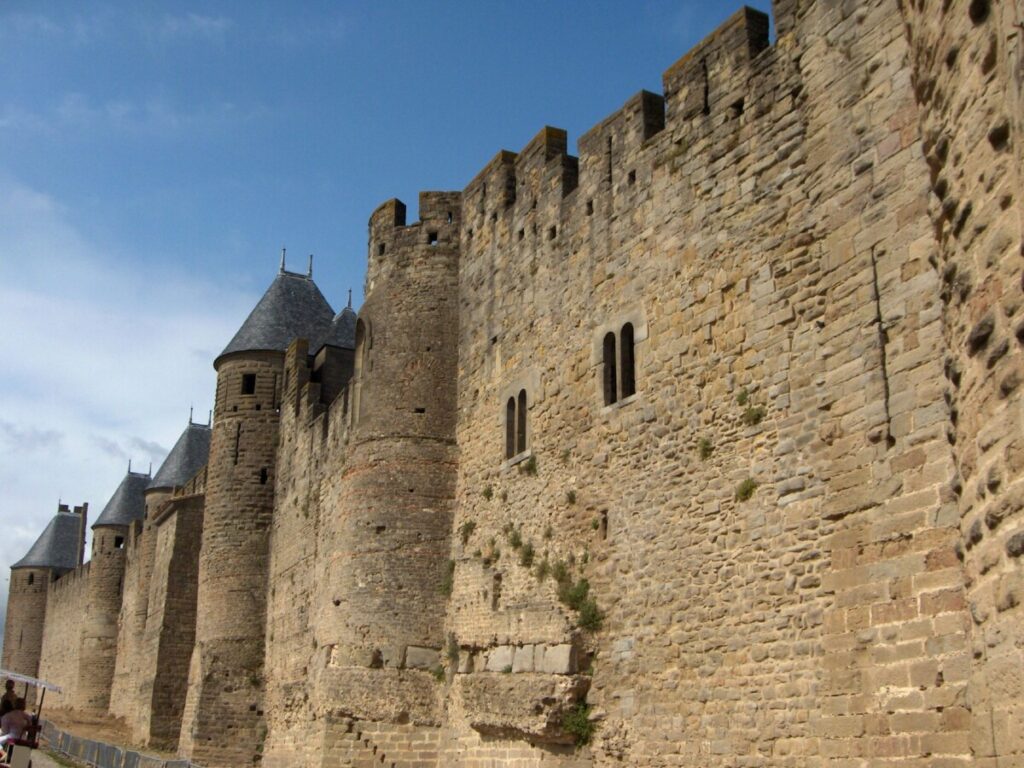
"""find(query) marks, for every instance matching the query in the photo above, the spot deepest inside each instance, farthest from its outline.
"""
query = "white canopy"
(19, 678)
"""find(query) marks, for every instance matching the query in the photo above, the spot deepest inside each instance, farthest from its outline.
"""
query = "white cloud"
(102, 361)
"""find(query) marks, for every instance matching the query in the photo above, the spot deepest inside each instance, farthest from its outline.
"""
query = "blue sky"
(155, 157)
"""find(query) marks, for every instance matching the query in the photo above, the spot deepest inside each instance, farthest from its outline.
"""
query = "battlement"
(700, 80)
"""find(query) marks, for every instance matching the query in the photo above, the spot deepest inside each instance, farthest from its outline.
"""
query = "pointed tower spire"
(283, 251)
(309, 271)
(350, 298)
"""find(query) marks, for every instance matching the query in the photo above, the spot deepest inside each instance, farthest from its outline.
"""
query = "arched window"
(609, 374)
(628, 369)
(510, 428)
(521, 423)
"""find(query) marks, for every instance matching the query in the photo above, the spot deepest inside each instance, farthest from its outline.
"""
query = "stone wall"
(709, 435)
(126, 700)
(62, 634)
(968, 73)
(170, 628)
(26, 616)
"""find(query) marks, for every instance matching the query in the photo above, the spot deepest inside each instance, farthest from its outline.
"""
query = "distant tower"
(58, 550)
(98, 644)
(379, 598)
(225, 678)
(132, 694)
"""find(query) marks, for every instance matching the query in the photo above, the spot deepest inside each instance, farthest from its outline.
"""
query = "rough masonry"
(700, 447)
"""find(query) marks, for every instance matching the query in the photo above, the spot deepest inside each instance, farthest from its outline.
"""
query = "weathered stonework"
(710, 436)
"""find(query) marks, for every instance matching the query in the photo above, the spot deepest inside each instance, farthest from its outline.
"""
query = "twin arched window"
(515, 425)
(618, 372)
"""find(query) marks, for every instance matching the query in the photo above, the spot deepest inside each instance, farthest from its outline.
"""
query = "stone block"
(559, 659)
(522, 660)
(421, 658)
(499, 659)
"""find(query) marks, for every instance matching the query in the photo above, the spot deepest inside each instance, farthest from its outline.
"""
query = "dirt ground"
(99, 727)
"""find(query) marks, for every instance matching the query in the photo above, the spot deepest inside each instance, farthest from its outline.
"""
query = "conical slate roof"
(128, 503)
(57, 545)
(343, 330)
(292, 308)
(186, 458)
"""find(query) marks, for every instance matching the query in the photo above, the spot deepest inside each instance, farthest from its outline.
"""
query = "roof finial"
(209, 417)
(129, 466)
(283, 251)
(190, 415)
(150, 473)
(350, 298)
(309, 271)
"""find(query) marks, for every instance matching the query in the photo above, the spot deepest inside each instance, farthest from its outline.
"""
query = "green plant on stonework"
(591, 617)
(559, 571)
(595, 524)
(503, 495)
(448, 581)
(507, 669)
(585, 557)
(477, 553)
(577, 597)
(452, 651)
(488, 492)
(515, 539)
(543, 569)
(529, 467)
(704, 449)
(438, 673)
(549, 532)
(742, 397)
(745, 490)
(255, 680)
(570, 496)
(753, 415)
(526, 555)
(576, 722)
(466, 530)
(565, 456)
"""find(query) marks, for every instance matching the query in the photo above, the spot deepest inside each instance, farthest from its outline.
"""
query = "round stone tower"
(222, 723)
(380, 602)
(58, 550)
(98, 644)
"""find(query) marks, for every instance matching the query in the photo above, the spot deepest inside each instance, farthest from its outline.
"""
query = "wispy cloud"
(28, 439)
(99, 362)
(193, 26)
(76, 29)
(154, 117)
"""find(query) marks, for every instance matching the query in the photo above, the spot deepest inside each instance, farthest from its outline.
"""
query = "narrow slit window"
(510, 428)
(264, 476)
(608, 374)
(248, 383)
(31, 579)
(238, 439)
(521, 422)
(628, 363)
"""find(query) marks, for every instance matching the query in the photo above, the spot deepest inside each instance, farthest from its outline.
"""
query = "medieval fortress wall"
(710, 435)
